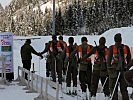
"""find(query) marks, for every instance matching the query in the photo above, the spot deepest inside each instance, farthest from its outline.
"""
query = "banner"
(6, 50)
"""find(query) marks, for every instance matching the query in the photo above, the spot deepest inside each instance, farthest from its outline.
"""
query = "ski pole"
(104, 84)
(55, 69)
(66, 71)
(61, 91)
(132, 94)
(39, 66)
(115, 86)
(66, 74)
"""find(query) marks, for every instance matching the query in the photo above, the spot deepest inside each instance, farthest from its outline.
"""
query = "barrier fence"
(3, 80)
(131, 49)
(35, 83)
(41, 85)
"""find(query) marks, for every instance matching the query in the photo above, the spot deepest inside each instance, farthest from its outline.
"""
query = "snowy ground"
(14, 92)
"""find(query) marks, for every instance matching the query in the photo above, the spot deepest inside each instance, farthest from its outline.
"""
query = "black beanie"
(60, 37)
(71, 40)
(117, 37)
(54, 37)
(83, 39)
(28, 41)
(102, 40)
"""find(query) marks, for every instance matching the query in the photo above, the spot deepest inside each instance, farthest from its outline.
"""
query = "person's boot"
(107, 98)
(89, 96)
(84, 96)
(93, 98)
(68, 90)
(63, 78)
(74, 92)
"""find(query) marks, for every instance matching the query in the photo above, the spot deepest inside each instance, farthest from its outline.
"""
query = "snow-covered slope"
(38, 44)
(127, 35)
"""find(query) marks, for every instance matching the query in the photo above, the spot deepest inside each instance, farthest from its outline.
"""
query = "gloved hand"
(40, 55)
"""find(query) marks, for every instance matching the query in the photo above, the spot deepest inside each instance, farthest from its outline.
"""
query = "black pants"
(72, 74)
(129, 77)
(26, 65)
(123, 87)
(85, 80)
(48, 69)
(94, 83)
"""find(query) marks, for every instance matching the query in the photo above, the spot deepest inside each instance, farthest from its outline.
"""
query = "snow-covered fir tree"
(34, 17)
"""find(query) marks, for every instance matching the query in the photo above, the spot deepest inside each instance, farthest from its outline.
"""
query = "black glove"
(41, 57)
(39, 54)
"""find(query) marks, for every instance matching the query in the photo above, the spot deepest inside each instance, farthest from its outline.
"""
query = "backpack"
(123, 53)
(71, 50)
(54, 47)
(101, 52)
(62, 46)
(85, 49)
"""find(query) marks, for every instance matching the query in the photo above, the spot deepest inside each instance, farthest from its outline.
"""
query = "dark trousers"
(123, 87)
(95, 80)
(85, 80)
(26, 65)
(56, 66)
(53, 69)
(129, 77)
(48, 68)
(71, 74)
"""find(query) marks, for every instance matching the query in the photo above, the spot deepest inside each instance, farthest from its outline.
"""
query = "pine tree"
(59, 23)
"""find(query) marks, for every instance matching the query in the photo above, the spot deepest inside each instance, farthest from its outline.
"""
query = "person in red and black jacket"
(99, 68)
(129, 74)
(85, 69)
(53, 52)
(71, 66)
(119, 56)
(61, 46)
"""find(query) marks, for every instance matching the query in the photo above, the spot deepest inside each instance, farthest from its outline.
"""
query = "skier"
(129, 74)
(85, 69)
(61, 46)
(99, 68)
(53, 52)
(26, 51)
(48, 61)
(119, 55)
(71, 66)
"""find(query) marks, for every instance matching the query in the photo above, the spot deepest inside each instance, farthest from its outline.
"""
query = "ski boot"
(93, 98)
(84, 96)
(107, 97)
(68, 90)
(74, 92)
(89, 96)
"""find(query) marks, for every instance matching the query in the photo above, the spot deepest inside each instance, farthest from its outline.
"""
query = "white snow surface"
(13, 92)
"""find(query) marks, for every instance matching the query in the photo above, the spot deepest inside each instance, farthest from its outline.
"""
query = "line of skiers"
(69, 61)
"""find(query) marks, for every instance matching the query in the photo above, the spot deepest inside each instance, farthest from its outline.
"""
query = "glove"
(40, 55)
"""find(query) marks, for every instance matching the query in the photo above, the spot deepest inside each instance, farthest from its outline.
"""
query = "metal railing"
(36, 83)
(3, 80)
